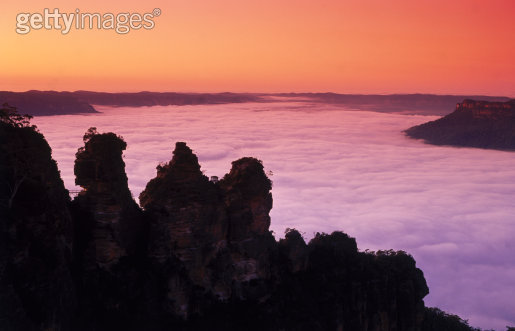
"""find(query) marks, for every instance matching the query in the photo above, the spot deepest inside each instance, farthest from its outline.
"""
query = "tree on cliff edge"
(20, 156)
(9, 115)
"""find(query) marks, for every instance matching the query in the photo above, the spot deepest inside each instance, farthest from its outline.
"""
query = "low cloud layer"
(453, 209)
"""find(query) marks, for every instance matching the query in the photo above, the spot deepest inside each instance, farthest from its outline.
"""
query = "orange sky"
(362, 46)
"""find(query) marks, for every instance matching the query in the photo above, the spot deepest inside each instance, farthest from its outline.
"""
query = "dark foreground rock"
(37, 291)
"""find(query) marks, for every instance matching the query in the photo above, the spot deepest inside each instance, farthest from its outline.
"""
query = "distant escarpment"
(420, 104)
(162, 98)
(42, 103)
(38, 103)
(198, 255)
(480, 124)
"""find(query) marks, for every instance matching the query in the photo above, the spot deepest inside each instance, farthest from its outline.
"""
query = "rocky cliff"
(36, 285)
(219, 231)
(105, 207)
(198, 255)
(39, 103)
(487, 110)
(480, 124)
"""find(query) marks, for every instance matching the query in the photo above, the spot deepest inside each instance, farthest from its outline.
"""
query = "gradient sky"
(362, 46)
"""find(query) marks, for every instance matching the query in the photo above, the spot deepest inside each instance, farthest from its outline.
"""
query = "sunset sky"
(362, 46)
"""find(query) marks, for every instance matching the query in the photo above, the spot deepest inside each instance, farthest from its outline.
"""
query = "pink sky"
(460, 47)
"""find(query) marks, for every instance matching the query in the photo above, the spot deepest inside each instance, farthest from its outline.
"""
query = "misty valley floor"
(334, 169)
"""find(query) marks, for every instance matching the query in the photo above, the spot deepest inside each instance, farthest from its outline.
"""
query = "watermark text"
(121, 23)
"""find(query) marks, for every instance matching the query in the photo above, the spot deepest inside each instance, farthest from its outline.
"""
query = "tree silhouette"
(10, 115)
(20, 155)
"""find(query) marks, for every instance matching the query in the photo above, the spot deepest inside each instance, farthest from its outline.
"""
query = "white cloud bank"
(453, 209)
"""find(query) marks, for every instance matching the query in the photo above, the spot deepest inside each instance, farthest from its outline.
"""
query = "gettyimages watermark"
(121, 23)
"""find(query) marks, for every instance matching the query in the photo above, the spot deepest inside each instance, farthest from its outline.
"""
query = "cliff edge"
(480, 124)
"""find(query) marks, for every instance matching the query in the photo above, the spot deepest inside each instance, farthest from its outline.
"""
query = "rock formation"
(188, 224)
(480, 124)
(219, 231)
(36, 287)
(107, 210)
(485, 109)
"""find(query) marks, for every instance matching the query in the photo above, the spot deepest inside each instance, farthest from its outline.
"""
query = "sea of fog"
(453, 209)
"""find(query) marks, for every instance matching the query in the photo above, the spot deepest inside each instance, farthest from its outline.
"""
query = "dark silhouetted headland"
(38, 103)
(479, 124)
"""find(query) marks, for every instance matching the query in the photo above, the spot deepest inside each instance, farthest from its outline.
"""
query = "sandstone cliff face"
(200, 255)
(247, 197)
(219, 231)
(485, 109)
(479, 124)
(114, 218)
(109, 235)
(187, 223)
(186, 210)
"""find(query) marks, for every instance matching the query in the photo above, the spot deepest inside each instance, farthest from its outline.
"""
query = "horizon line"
(264, 93)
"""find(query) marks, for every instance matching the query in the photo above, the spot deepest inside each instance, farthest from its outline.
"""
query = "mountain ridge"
(47, 103)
